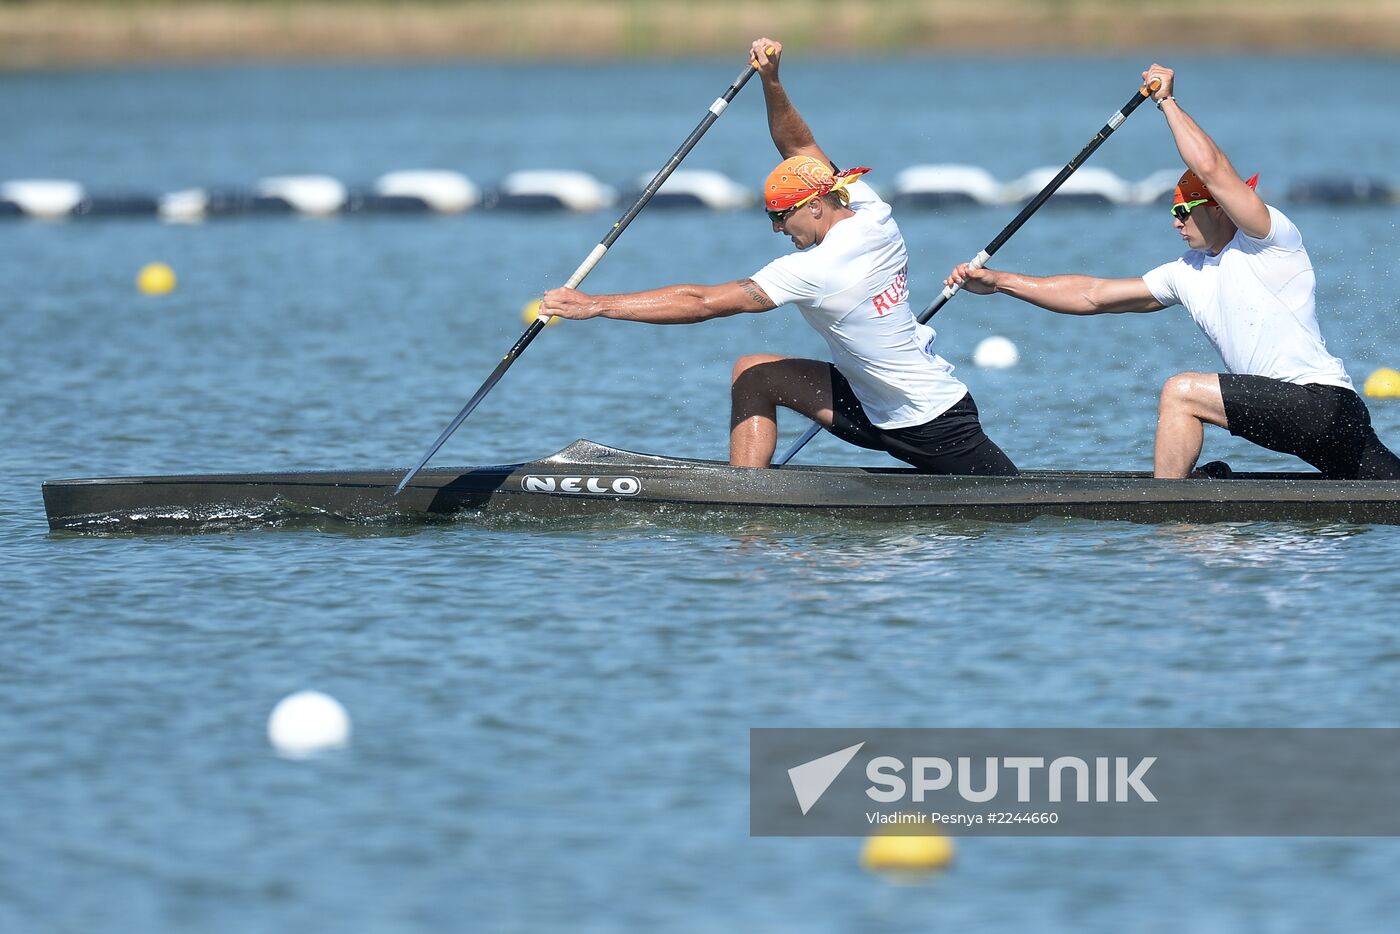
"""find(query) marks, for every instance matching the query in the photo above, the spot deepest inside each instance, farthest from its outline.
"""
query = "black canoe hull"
(589, 479)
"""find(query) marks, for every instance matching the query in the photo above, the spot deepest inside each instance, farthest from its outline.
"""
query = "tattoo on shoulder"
(751, 288)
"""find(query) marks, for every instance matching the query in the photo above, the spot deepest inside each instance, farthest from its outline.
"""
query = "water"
(551, 721)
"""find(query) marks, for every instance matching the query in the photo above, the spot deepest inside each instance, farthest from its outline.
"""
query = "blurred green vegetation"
(42, 33)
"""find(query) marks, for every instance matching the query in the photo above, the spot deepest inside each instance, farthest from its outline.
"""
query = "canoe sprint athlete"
(886, 390)
(1248, 283)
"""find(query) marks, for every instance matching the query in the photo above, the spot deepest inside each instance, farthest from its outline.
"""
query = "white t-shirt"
(1254, 300)
(853, 289)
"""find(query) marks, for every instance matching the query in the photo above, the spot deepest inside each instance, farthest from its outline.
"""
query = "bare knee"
(1180, 393)
(1197, 395)
(750, 374)
(748, 362)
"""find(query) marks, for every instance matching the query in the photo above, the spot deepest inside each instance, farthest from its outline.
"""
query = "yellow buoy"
(885, 852)
(530, 312)
(1383, 384)
(156, 279)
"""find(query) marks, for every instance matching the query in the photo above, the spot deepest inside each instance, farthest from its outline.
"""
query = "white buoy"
(1091, 184)
(43, 197)
(306, 723)
(946, 184)
(187, 206)
(572, 191)
(443, 191)
(701, 187)
(317, 195)
(996, 353)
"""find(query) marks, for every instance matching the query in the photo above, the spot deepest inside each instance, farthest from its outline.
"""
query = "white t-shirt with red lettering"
(1255, 302)
(853, 289)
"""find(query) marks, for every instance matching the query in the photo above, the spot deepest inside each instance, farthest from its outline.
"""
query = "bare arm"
(673, 304)
(1067, 295)
(790, 132)
(1206, 159)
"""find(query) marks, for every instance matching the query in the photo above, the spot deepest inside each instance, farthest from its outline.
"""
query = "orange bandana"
(799, 179)
(1192, 189)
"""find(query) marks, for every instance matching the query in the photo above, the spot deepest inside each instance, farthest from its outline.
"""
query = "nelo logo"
(613, 486)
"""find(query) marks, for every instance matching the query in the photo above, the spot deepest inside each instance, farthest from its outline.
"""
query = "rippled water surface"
(551, 721)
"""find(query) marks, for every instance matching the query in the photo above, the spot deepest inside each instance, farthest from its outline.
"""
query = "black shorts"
(952, 443)
(1327, 426)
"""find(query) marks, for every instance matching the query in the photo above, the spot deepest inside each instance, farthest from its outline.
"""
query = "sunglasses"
(1183, 211)
(777, 217)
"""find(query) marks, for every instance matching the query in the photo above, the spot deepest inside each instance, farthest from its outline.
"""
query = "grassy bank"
(46, 33)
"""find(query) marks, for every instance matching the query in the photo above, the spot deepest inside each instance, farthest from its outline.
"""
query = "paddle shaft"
(1031, 207)
(1050, 188)
(713, 114)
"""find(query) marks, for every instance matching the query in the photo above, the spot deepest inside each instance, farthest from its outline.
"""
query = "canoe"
(592, 479)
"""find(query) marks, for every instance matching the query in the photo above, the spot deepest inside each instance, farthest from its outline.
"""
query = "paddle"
(717, 108)
(1031, 207)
